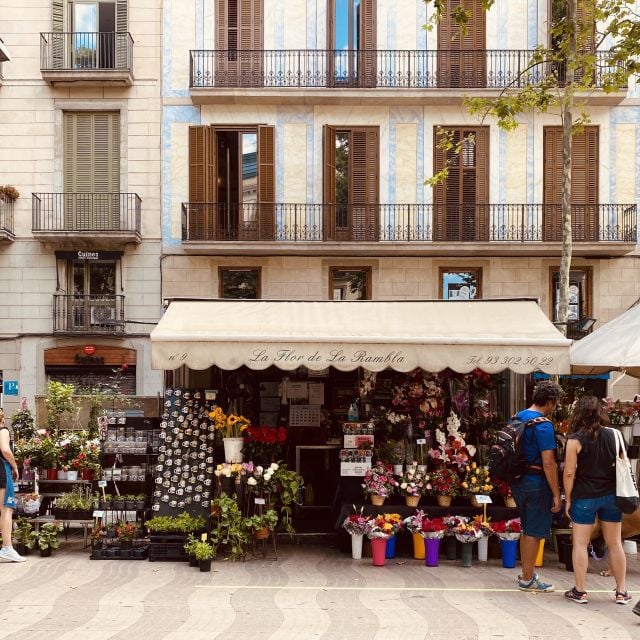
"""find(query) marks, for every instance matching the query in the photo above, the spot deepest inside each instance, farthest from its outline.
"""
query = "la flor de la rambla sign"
(328, 357)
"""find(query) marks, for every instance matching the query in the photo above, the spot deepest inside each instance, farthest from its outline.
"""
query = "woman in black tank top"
(590, 489)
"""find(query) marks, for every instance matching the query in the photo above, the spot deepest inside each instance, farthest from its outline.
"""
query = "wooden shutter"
(461, 202)
(461, 56)
(122, 35)
(363, 184)
(57, 38)
(368, 66)
(329, 181)
(92, 171)
(586, 22)
(202, 218)
(584, 185)
(266, 183)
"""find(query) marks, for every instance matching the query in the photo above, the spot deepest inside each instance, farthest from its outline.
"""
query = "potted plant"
(97, 536)
(476, 482)
(8, 193)
(379, 483)
(77, 504)
(130, 502)
(118, 503)
(231, 528)
(231, 428)
(105, 501)
(140, 500)
(262, 524)
(110, 531)
(126, 533)
(204, 553)
(445, 484)
(189, 548)
(47, 538)
(22, 536)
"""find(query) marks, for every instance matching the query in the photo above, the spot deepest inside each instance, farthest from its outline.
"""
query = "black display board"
(184, 478)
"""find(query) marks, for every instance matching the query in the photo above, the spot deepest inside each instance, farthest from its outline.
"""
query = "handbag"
(626, 487)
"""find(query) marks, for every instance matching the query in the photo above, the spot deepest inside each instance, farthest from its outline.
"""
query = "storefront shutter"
(461, 55)
(266, 182)
(584, 184)
(202, 217)
(122, 38)
(57, 38)
(363, 184)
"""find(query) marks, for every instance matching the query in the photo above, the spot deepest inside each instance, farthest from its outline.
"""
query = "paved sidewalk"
(310, 592)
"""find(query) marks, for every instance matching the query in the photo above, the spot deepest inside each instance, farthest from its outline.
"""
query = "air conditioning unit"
(103, 315)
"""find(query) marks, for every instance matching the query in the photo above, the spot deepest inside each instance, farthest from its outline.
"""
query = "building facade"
(80, 109)
(297, 138)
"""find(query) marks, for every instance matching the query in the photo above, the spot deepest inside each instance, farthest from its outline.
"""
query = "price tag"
(203, 537)
(421, 441)
(484, 500)
(260, 501)
(102, 483)
(98, 514)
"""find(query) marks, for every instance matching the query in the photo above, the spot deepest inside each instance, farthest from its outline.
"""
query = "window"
(584, 185)
(352, 42)
(580, 293)
(92, 167)
(461, 52)
(460, 284)
(350, 283)
(231, 183)
(351, 183)
(239, 283)
(100, 36)
(461, 200)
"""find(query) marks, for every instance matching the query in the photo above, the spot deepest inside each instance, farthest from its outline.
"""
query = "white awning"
(492, 335)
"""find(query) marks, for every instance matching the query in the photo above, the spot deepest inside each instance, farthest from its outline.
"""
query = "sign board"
(484, 500)
(10, 387)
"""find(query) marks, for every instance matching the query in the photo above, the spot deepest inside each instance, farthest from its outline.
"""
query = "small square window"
(350, 283)
(579, 294)
(240, 284)
(460, 284)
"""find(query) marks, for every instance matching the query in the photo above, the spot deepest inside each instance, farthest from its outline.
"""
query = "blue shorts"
(534, 500)
(585, 510)
(9, 491)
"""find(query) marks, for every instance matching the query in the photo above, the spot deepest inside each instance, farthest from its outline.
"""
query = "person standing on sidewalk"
(590, 490)
(8, 473)
(537, 492)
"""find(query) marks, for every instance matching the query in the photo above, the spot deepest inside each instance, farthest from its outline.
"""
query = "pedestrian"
(590, 490)
(537, 492)
(8, 473)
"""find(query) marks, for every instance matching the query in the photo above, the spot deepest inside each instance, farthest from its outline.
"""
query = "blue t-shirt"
(541, 438)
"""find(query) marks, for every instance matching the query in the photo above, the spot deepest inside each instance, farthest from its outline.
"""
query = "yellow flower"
(231, 420)
(465, 485)
(474, 480)
(473, 465)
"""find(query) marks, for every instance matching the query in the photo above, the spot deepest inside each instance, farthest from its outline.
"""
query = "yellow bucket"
(418, 546)
(540, 556)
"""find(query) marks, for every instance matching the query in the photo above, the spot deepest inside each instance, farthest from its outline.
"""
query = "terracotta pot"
(376, 500)
(262, 534)
(87, 474)
(444, 501)
(52, 474)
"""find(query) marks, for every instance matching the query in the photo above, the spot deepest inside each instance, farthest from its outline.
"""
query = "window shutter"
(57, 38)
(122, 35)
(266, 182)
(482, 184)
(439, 191)
(368, 40)
(202, 218)
(250, 28)
(363, 184)
(329, 181)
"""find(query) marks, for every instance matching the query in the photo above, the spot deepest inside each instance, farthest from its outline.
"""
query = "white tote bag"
(626, 488)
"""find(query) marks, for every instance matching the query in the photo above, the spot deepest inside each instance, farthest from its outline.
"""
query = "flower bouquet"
(413, 523)
(507, 529)
(445, 483)
(379, 483)
(434, 528)
(357, 523)
(452, 449)
(384, 525)
(264, 444)
(228, 426)
(467, 531)
(504, 489)
(476, 481)
(412, 485)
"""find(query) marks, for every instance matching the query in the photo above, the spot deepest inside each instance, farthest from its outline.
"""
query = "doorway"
(93, 303)
(93, 25)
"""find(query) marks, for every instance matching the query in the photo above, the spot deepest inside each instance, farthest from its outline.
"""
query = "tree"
(569, 71)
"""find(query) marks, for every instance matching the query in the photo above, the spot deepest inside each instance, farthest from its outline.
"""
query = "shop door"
(94, 295)
(461, 211)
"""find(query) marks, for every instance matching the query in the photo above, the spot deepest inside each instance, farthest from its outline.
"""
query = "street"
(309, 592)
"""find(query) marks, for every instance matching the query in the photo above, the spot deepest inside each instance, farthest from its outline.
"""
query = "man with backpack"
(536, 487)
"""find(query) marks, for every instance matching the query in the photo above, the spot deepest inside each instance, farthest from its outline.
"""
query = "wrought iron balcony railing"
(86, 51)
(500, 223)
(6, 217)
(86, 212)
(400, 69)
(88, 314)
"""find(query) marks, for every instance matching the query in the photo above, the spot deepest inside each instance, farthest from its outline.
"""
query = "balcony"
(6, 220)
(87, 58)
(493, 229)
(300, 75)
(101, 220)
(88, 314)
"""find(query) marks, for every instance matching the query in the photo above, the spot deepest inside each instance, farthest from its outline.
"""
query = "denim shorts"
(9, 493)
(534, 500)
(585, 510)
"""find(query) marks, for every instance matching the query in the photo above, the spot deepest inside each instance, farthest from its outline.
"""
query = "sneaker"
(9, 554)
(535, 585)
(576, 596)
(636, 609)
(622, 597)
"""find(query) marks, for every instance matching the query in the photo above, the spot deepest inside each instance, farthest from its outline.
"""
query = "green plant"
(183, 523)
(76, 500)
(49, 452)
(59, 401)
(47, 537)
(268, 519)
(231, 529)
(289, 484)
(203, 551)
(189, 546)
(22, 532)
(23, 424)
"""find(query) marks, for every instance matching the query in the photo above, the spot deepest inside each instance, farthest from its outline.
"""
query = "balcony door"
(98, 34)
(92, 171)
(462, 52)
(239, 43)
(461, 211)
(351, 36)
(351, 183)
(584, 185)
(93, 304)
(231, 183)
